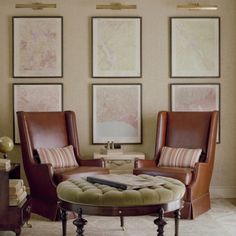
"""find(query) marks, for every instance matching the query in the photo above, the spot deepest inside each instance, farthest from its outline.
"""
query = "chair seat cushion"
(183, 174)
(62, 174)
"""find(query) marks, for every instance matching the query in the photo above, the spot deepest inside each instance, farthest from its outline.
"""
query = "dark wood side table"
(12, 217)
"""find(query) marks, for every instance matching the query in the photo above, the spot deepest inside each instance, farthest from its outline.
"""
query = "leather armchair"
(51, 130)
(186, 130)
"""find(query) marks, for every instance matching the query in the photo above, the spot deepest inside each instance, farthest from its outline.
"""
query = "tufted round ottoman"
(162, 195)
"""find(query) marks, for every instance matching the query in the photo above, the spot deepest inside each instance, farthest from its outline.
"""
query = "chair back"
(46, 130)
(187, 130)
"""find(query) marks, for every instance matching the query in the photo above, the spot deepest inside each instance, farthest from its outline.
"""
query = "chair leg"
(177, 215)
(160, 222)
(80, 223)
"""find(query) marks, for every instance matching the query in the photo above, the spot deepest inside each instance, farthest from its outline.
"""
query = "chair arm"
(41, 181)
(92, 162)
(201, 179)
(139, 163)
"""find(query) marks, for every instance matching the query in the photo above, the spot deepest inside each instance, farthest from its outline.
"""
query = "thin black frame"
(93, 45)
(15, 125)
(218, 48)
(200, 84)
(14, 74)
(140, 128)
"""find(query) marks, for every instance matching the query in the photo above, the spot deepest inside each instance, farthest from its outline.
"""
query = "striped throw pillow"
(58, 157)
(179, 157)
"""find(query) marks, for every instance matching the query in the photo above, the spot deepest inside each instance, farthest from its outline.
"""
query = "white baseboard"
(223, 191)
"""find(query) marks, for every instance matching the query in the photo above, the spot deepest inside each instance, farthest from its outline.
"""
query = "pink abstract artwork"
(195, 99)
(37, 47)
(117, 113)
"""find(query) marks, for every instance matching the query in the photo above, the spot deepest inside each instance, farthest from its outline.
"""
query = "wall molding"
(223, 191)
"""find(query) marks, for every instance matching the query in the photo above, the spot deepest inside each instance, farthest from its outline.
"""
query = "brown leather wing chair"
(186, 130)
(50, 130)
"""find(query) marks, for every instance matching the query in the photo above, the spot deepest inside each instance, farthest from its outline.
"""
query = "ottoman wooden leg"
(160, 222)
(122, 222)
(177, 215)
(64, 221)
(80, 223)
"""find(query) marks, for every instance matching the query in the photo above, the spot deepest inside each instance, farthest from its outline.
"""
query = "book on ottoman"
(123, 181)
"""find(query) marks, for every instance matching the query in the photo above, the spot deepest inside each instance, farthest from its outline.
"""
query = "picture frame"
(194, 47)
(196, 97)
(117, 113)
(116, 47)
(33, 97)
(37, 46)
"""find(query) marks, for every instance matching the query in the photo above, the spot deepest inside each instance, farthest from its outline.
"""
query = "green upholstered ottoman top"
(83, 192)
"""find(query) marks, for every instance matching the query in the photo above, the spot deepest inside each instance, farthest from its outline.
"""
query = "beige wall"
(77, 81)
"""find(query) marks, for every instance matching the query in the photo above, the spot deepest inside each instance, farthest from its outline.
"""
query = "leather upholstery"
(62, 174)
(186, 130)
(50, 130)
(182, 174)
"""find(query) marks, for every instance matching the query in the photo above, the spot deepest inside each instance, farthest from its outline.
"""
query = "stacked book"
(5, 164)
(17, 192)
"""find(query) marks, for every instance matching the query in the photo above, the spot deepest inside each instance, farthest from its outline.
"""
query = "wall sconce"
(36, 5)
(116, 6)
(197, 6)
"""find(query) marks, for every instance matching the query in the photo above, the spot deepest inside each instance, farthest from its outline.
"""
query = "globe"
(6, 144)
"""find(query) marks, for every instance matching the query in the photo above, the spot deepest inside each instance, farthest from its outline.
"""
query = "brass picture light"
(36, 5)
(197, 6)
(116, 6)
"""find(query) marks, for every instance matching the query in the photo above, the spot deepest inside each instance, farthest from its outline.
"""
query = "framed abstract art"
(117, 113)
(116, 47)
(37, 46)
(195, 47)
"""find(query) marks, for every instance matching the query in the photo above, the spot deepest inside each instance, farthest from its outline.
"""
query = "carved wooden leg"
(64, 221)
(160, 222)
(80, 223)
(122, 222)
(177, 215)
